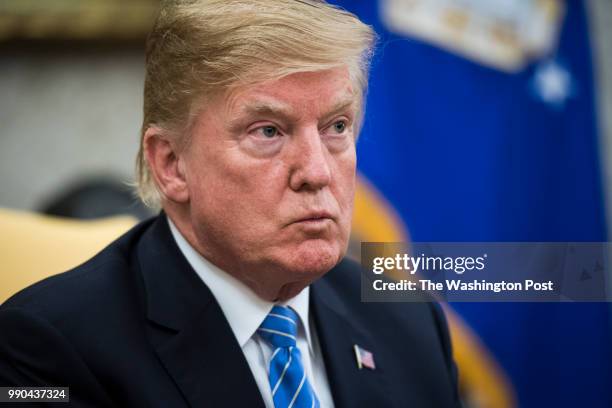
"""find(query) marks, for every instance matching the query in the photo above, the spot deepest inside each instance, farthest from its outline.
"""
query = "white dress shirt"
(245, 312)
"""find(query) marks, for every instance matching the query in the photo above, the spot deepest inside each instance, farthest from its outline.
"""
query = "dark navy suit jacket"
(136, 327)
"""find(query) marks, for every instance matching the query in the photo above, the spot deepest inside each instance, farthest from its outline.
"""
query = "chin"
(300, 266)
(314, 258)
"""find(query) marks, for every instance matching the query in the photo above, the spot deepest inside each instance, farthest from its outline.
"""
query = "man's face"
(270, 172)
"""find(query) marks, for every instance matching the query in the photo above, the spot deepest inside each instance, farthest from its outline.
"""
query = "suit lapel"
(338, 332)
(188, 330)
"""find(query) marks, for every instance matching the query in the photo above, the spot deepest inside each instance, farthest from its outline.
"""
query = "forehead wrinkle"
(277, 107)
(240, 108)
(269, 105)
(273, 108)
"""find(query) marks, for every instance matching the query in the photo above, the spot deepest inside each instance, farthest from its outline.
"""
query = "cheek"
(345, 180)
(344, 193)
(237, 189)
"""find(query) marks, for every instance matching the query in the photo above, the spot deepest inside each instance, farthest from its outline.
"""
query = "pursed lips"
(315, 216)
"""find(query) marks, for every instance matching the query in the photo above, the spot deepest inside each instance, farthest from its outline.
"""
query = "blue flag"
(465, 151)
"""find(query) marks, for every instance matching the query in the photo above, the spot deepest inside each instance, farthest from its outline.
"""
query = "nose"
(310, 167)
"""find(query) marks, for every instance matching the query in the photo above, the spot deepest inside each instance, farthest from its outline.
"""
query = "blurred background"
(487, 120)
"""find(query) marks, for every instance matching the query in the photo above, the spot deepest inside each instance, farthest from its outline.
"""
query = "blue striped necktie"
(288, 382)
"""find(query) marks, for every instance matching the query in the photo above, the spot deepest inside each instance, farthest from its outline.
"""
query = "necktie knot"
(280, 327)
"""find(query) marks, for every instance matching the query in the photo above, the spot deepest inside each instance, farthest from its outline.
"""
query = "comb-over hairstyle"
(202, 48)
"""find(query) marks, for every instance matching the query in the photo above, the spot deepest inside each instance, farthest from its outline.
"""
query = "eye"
(339, 126)
(268, 131)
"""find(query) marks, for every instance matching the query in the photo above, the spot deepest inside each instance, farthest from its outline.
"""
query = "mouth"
(315, 217)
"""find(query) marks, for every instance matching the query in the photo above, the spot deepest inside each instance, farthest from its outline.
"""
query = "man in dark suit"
(237, 294)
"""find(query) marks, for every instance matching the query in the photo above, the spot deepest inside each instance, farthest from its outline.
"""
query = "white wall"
(64, 115)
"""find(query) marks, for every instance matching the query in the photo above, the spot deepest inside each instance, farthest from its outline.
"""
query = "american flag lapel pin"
(365, 358)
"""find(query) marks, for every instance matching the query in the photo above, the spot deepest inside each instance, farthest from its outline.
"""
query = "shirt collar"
(243, 309)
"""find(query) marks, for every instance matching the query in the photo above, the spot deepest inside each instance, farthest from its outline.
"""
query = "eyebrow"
(279, 109)
(340, 106)
(267, 108)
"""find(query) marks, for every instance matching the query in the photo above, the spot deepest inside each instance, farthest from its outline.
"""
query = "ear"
(165, 165)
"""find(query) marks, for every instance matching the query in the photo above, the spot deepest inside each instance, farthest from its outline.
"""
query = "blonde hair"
(201, 48)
